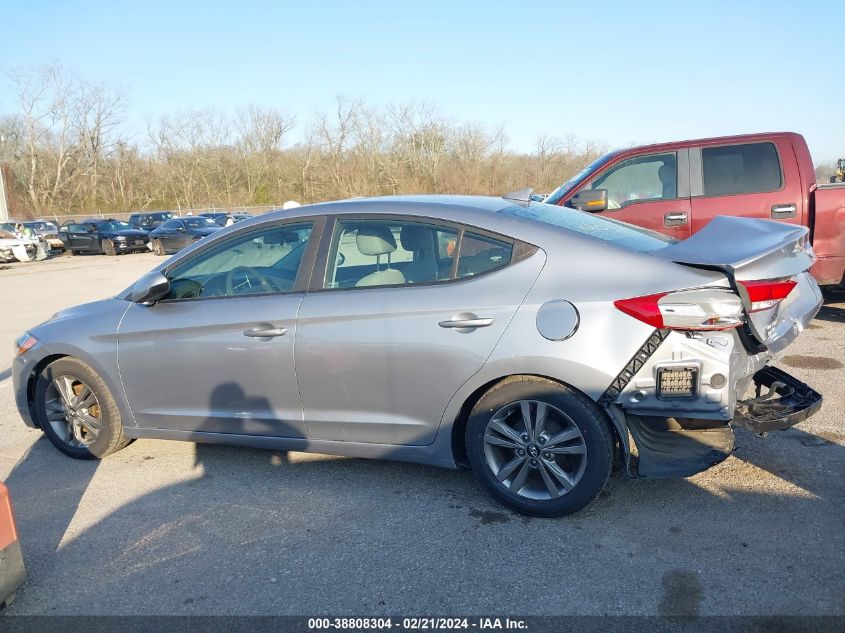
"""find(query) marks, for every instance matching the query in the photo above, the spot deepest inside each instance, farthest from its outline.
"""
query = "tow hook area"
(780, 401)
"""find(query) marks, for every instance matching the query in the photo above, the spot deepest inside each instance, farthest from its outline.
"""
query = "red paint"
(821, 208)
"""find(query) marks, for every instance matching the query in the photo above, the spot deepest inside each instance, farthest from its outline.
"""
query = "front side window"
(197, 222)
(652, 177)
(746, 168)
(263, 261)
(389, 252)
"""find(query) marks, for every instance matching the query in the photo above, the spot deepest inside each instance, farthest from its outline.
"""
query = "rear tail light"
(699, 309)
(767, 294)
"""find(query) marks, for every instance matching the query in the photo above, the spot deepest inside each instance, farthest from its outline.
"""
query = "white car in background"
(21, 249)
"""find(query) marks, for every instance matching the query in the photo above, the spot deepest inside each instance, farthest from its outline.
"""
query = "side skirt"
(415, 454)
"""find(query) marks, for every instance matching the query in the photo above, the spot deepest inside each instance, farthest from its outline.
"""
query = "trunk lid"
(746, 250)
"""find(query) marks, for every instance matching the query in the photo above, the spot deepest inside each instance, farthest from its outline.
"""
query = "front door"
(651, 191)
(399, 325)
(216, 355)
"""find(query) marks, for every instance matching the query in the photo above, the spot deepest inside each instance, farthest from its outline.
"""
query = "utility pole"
(4, 206)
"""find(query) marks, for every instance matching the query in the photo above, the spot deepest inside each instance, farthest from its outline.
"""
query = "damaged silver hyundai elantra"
(532, 343)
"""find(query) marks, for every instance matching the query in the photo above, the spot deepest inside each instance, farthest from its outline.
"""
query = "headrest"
(666, 173)
(415, 238)
(375, 239)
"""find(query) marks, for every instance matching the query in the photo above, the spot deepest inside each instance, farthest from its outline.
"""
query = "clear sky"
(618, 72)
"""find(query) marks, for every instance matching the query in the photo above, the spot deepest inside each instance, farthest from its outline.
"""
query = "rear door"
(403, 312)
(754, 180)
(650, 190)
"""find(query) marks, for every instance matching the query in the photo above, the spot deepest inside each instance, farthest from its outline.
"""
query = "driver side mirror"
(592, 200)
(150, 288)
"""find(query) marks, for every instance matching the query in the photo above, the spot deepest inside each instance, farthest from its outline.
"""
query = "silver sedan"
(535, 344)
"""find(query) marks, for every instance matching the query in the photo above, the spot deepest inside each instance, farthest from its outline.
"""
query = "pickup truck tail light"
(697, 309)
(768, 293)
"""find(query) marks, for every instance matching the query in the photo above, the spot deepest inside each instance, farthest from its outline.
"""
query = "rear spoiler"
(753, 249)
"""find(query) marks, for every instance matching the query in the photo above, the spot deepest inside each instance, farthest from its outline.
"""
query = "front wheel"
(77, 411)
(539, 447)
(108, 248)
(158, 248)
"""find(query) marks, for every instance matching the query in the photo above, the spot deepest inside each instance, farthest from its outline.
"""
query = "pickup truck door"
(649, 190)
(753, 180)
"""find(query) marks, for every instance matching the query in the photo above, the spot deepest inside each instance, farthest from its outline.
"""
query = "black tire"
(110, 438)
(108, 248)
(158, 248)
(597, 437)
(72, 252)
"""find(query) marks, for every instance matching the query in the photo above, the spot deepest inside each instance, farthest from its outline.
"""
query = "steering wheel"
(249, 274)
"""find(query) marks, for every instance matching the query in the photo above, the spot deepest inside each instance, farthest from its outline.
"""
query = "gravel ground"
(177, 528)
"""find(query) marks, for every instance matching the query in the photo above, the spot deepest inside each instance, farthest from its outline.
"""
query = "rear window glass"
(747, 168)
(602, 228)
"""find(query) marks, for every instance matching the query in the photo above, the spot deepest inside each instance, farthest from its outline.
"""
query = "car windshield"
(555, 196)
(115, 225)
(40, 226)
(199, 222)
(602, 228)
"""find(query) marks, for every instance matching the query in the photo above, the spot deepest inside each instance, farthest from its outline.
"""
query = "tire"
(72, 252)
(158, 248)
(575, 432)
(109, 436)
(108, 248)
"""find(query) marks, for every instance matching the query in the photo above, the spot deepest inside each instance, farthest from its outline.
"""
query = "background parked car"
(226, 219)
(677, 188)
(47, 231)
(176, 234)
(110, 237)
(22, 249)
(151, 220)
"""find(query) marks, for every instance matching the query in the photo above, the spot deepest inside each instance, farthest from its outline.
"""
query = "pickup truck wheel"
(539, 447)
(158, 248)
(108, 248)
(77, 411)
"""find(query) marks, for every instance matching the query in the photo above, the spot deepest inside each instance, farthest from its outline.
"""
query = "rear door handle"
(266, 333)
(466, 324)
(781, 211)
(674, 219)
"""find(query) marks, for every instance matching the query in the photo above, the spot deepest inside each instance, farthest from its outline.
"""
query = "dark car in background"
(176, 234)
(151, 220)
(111, 237)
(224, 218)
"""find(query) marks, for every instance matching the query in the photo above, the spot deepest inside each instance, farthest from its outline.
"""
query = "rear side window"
(480, 254)
(747, 168)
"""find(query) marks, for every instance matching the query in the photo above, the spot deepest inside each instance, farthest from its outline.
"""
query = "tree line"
(69, 150)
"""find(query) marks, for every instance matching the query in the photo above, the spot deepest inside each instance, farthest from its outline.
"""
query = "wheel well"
(459, 449)
(33, 379)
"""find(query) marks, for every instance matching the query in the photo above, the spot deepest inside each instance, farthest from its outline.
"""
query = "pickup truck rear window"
(606, 229)
(746, 168)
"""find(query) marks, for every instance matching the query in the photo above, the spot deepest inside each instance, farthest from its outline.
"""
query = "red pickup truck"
(676, 188)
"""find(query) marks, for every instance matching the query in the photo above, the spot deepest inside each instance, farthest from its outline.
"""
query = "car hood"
(208, 230)
(128, 233)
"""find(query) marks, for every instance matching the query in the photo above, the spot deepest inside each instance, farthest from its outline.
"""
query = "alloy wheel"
(535, 450)
(73, 411)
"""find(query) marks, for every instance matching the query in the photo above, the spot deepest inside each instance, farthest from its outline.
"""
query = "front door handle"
(781, 211)
(466, 322)
(266, 333)
(674, 219)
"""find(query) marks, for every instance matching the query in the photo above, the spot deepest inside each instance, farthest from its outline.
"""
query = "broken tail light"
(697, 309)
(766, 294)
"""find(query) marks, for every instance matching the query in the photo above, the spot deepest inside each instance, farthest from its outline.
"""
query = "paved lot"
(174, 528)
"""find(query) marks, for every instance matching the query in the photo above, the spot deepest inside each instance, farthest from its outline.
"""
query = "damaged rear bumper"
(780, 401)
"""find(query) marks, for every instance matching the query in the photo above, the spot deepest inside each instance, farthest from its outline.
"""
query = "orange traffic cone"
(11, 559)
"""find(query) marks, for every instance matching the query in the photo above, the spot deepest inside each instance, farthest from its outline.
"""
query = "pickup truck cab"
(677, 188)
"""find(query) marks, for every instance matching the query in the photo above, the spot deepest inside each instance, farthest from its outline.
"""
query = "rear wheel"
(158, 248)
(539, 447)
(77, 411)
(108, 248)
